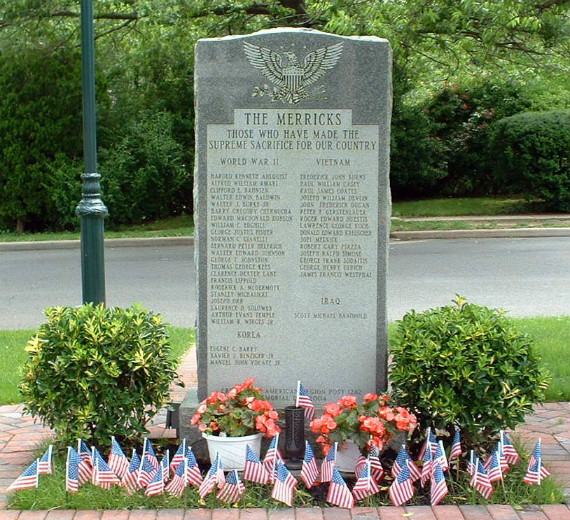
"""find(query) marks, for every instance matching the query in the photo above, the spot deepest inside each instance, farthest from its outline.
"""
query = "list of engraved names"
(292, 237)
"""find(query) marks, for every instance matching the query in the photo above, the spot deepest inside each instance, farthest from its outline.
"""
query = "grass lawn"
(460, 206)
(551, 334)
(552, 339)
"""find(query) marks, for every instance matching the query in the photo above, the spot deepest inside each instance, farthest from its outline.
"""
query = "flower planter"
(347, 456)
(232, 450)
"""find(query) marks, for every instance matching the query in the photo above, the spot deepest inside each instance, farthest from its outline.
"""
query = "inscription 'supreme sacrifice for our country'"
(281, 223)
(292, 211)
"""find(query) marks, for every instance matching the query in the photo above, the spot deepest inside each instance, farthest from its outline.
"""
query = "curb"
(109, 243)
(481, 233)
(395, 235)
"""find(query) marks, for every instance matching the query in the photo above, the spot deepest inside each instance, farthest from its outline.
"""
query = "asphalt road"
(527, 277)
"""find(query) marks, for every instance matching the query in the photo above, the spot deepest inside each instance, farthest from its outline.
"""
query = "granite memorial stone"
(292, 210)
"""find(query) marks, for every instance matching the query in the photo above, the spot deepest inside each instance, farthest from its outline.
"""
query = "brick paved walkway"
(20, 436)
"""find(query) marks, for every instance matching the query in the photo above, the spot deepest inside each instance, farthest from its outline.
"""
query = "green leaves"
(94, 372)
(466, 365)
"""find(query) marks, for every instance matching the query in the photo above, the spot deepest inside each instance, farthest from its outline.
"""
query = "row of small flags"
(86, 464)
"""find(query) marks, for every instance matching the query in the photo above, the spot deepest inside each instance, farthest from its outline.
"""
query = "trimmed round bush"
(533, 150)
(93, 372)
(465, 365)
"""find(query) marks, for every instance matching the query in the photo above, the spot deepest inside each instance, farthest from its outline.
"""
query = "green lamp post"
(91, 209)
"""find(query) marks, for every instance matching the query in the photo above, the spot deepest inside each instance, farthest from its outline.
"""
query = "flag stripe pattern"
(438, 485)
(45, 466)
(309, 469)
(339, 495)
(117, 460)
(304, 401)
(456, 451)
(72, 471)
(365, 486)
(328, 465)
(233, 489)
(404, 460)
(28, 479)
(253, 469)
(480, 480)
(177, 485)
(284, 486)
(193, 473)
(401, 489)
(536, 471)
(131, 477)
(509, 451)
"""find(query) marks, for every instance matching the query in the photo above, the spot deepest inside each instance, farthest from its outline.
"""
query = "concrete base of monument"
(187, 431)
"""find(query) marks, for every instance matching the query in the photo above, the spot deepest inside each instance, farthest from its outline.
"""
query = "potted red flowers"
(232, 420)
(370, 422)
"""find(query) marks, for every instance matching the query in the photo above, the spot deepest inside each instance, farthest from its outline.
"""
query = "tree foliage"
(144, 49)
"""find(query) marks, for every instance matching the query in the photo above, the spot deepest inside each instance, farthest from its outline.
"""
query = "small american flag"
(304, 401)
(45, 464)
(328, 465)
(233, 489)
(309, 469)
(438, 485)
(480, 480)
(536, 471)
(509, 451)
(440, 457)
(502, 459)
(131, 477)
(271, 458)
(117, 460)
(156, 485)
(177, 485)
(284, 486)
(427, 468)
(28, 479)
(165, 465)
(494, 470)
(193, 473)
(403, 460)
(430, 442)
(214, 477)
(375, 465)
(178, 456)
(471, 464)
(146, 472)
(365, 486)
(148, 450)
(456, 452)
(339, 495)
(253, 469)
(401, 489)
(72, 471)
(360, 464)
(85, 463)
(103, 475)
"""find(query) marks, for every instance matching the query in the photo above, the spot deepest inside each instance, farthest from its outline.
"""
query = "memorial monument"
(292, 212)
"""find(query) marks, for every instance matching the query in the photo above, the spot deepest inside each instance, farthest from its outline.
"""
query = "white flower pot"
(347, 456)
(232, 450)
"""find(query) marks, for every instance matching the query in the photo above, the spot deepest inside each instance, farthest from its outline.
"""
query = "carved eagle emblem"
(289, 77)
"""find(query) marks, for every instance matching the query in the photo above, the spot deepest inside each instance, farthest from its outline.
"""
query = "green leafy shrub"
(144, 176)
(533, 151)
(467, 365)
(93, 372)
(417, 159)
(463, 116)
